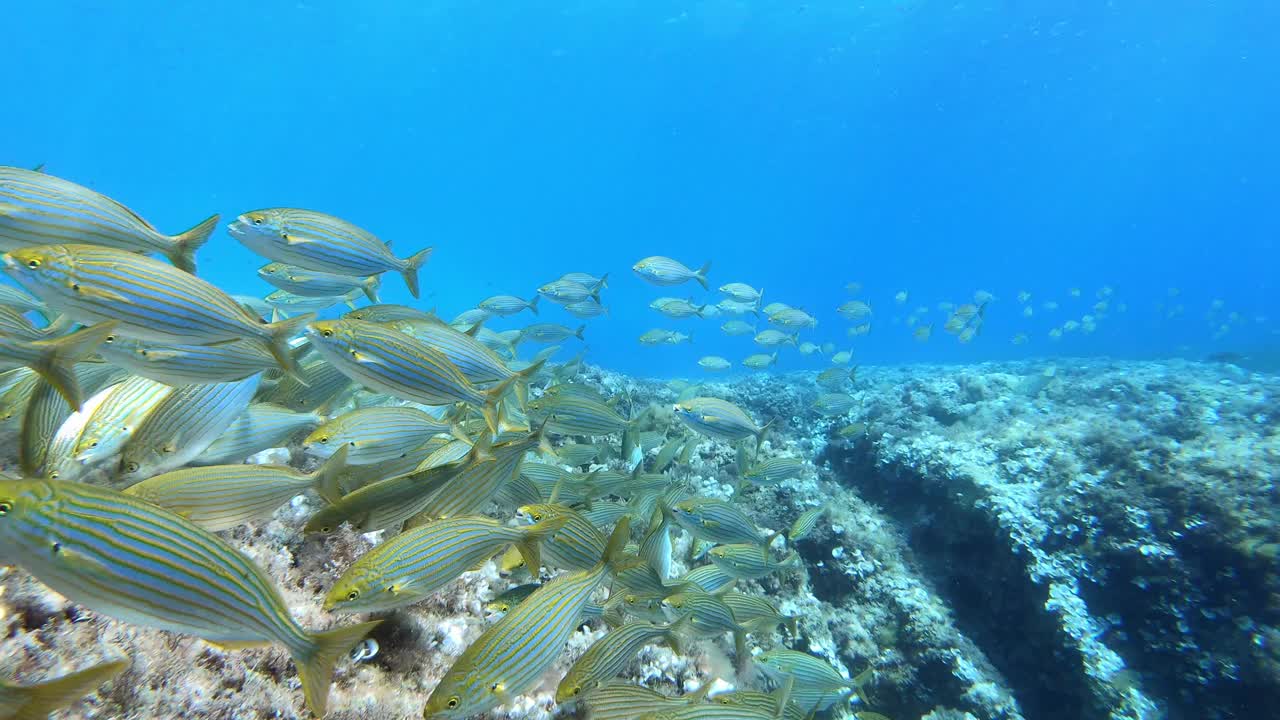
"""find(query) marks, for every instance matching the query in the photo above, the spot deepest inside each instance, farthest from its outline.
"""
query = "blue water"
(937, 148)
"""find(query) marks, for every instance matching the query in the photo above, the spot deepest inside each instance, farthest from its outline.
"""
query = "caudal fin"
(701, 275)
(315, 661)
(529, 547)
(493, 402)
(279, 335)
(37, 701)
(411, 268)
(185, 245)
(57, 360)
(533, 304)
(370, 287)
(328, 477)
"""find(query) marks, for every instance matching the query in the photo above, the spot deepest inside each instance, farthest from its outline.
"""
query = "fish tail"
(279, 334)
(701, 275)
(742, 656)
(533, 304)
(493, 401)
(411, 267)
(595, 294)
(328, 477)
(370, 287)
(529, 546)
(616, 551)
(525, 376)
(40, 700)
(578, 333)
(185, 245)
(604, 281)
(316, 659)
(58, 360)
(762, 433)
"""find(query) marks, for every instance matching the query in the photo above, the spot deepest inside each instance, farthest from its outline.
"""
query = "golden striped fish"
(390, 361)
(222, 497)
(317, 241)
(151, 300)
(141, 564)
(511, 656)
(40, 209)
(55, 359)
(660, 270)
(610, 654)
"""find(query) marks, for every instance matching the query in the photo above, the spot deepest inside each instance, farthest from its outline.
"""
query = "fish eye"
(131, 467)
(110, 339)
(454, 702)
(537, 517)
(257, 221)
(577, 689)
(33, 263)
(6, 507)
(324, 439)
(326, 333)
(353, 595)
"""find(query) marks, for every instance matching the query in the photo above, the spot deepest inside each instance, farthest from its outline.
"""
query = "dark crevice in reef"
(972, 567)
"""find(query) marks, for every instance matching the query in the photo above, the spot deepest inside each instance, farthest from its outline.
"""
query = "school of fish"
(135, 391)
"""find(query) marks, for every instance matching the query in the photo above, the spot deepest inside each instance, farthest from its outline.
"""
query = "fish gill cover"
(668, 360)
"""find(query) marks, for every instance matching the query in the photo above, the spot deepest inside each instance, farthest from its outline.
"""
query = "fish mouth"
(237, 229)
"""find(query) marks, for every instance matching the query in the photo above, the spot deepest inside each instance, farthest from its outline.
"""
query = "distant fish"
(774, 338)
(742, 292)
(1019, 339)
(317, 241)
(854, 310)
(591, 281)
(901, 297)
(288, 303)
(837, 403)
(793, 318)
(863, 328)
(843, 357)
(508, 305)
(659, 270)
(588, 308)
(658, 336)
(760, 361)
(548, 333)
(923, 332)
(809, 348)
(773, 308)
(38, 209)
(737, 327)
(714, 363)
(730, 306)
(719, 419)
(1024, 297)
(564, 292)
(677, 308)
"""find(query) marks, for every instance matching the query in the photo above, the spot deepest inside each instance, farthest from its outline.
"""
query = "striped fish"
(477, 485)
(766, 704)
(719, 419)
(624, 701)
(375, 435)
(564, 292)
(610, 654)
(709, 617)
(14, 325)
(59, 460)
(750, 561)
(836, 403)
(115, 421)
(37, 700)
(708, 577)
(508, 305)
(467, 320)
(385, 312)
(588, 308)
(390, 361)
(659, 270)
(577, 545)
(16, 389)
(715, 520)
(317, 383)
(55, 359)
(47, 410)
(793, 318)
(416, 563)
(475, 360)
(806, 522)
(317, 241)
(222, 497)
(587, 279)
(183, 425)
(151, 300)
(571, 414)
(756, 613)
(313, 283)
(773, 470)
(817, 685)
(510, 656)
(187, 364)
(388, 503)
(40, 209)
(260, 426)
(549, 333)
(286, 303)
(138, 563)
